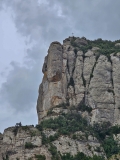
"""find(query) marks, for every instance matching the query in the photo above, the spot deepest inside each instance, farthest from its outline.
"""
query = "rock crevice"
(72, 73)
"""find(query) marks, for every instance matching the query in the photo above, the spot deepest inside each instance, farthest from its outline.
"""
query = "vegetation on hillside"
(79, 156)
(106, 47)
(68, 124)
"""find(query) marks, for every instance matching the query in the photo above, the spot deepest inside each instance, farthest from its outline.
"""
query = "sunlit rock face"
(74, 76)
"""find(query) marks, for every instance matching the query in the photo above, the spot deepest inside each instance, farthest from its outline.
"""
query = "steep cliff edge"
(78, 106)
(82, 73)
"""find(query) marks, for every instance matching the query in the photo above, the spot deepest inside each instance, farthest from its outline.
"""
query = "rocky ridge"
(32, 143)
(76, 77)
(78, 105)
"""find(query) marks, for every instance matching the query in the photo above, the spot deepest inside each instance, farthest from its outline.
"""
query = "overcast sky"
(27, 27)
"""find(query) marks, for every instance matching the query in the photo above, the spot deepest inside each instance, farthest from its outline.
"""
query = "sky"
(27, 27)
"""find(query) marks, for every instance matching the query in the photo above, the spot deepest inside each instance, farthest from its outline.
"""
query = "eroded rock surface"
(74, 77)
(77, 79)
(14, 140)
(13, 144)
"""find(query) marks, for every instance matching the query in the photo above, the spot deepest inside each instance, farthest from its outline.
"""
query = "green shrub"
(25, 128)
(69, 123)
(64, 125)
(33, 133)
(15, 130)
(74, 136)
(50, 138)
(101, 130)
(114, 130)
(82, 107)
(75, 50)
(29, 145)
(49, 112)
(40, 157)
(54, 153)
(106, 47)
(109, 144)
(110, 147)
(80, 156)
(62, 105)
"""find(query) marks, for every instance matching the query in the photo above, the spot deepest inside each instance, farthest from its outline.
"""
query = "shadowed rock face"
(74, 77)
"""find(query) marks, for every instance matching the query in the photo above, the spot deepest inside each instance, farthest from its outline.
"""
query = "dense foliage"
(80, 156)
(106, 47)
(105, 134)
(54, 153)
(65, 124)
(29, 145)
(40, 157)
(68, 124)
(83, 107)
(110, 146)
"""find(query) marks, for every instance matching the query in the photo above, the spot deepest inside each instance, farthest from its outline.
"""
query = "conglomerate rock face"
(78, 80)
(74, 77)
(15, 143)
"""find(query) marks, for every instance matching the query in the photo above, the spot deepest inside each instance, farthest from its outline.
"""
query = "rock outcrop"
(15, 140)
(78, 105)
(75, 77)
(25, 143)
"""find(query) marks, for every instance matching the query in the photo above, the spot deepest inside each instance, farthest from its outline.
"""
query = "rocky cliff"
(78, 106)
(82, 73)
(28, 144)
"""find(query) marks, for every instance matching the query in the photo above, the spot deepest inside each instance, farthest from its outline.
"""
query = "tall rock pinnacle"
(76, 74)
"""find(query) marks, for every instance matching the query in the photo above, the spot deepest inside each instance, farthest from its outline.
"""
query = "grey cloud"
(1, 4)
(93, 19)
(43, 21)
(37, 21)
(20, 89)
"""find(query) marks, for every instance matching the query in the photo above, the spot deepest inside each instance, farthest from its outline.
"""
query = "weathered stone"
(81, 41)
(14, 140)
(117, 44)
(87, 78)
(54, 62)
(67, 145)
(116, 85)
(72, 78)
(101, 91)
(95, 48)
(50, 92)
